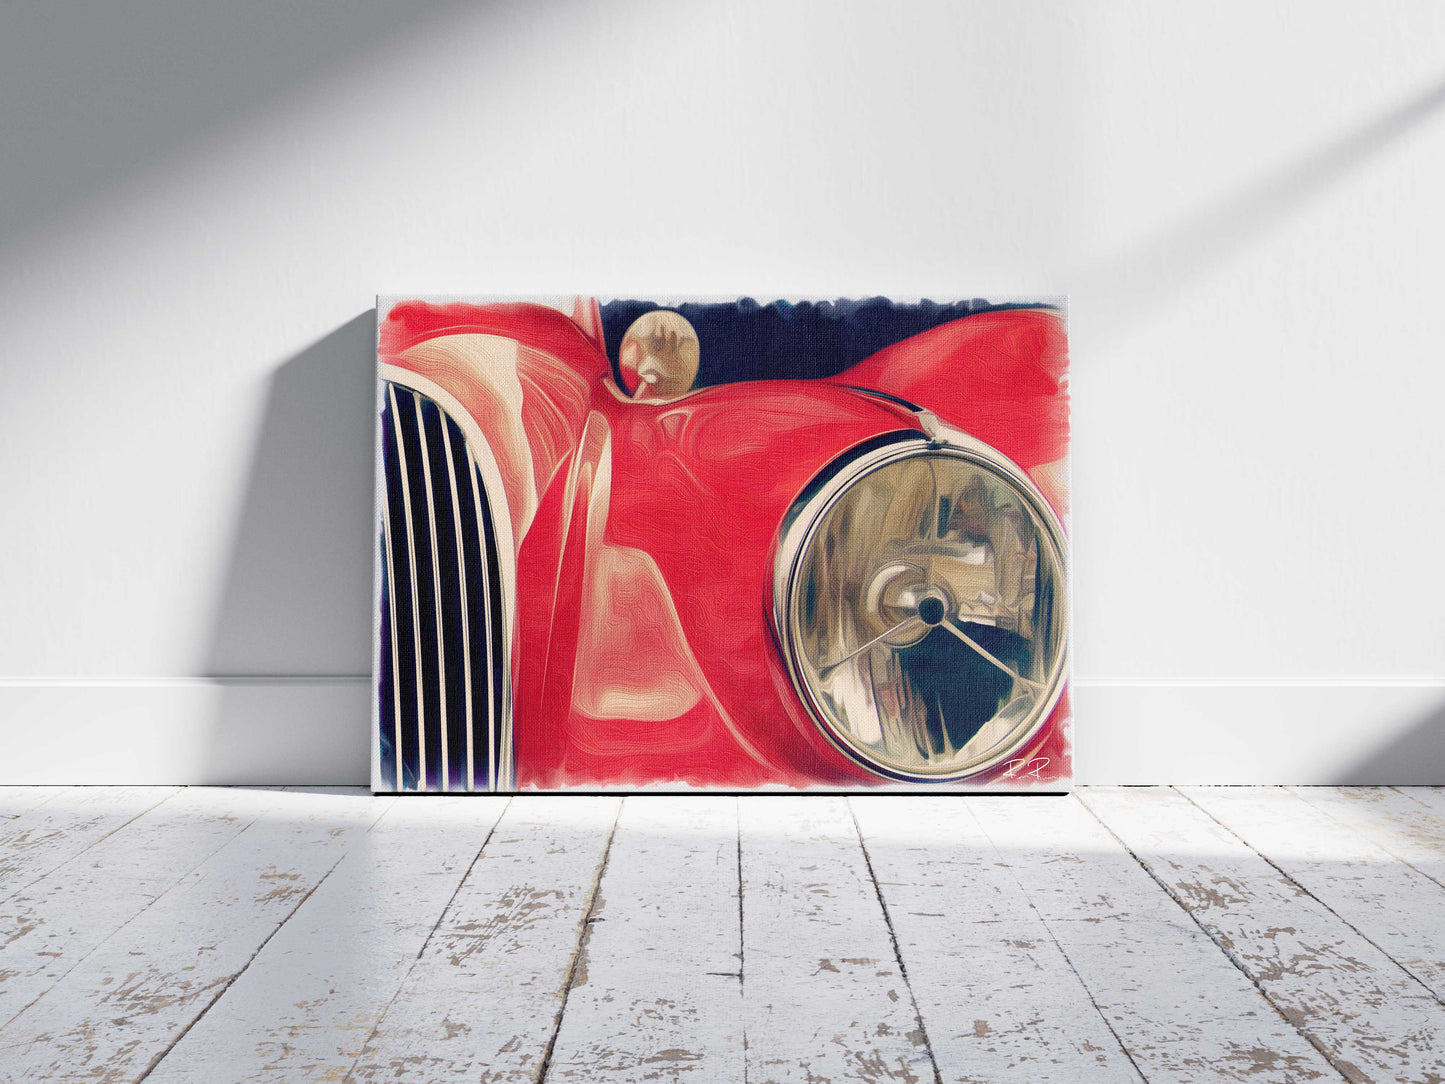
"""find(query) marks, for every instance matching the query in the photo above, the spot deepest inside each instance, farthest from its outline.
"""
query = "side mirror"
(659, 357)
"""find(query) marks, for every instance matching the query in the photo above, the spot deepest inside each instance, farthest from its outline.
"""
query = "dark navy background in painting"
(790, 340)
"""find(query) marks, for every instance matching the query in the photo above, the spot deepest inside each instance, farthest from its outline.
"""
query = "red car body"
(645, 533)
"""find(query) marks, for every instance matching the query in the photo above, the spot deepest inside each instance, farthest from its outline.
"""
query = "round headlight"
(920, 602)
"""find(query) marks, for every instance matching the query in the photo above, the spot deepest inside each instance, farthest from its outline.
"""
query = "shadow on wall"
(1415, 758)
(291, 637)
(126, 84)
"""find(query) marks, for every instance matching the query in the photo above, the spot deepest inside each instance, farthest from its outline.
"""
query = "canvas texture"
(632, 544)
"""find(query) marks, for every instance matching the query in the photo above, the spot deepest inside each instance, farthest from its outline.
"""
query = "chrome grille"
(442, 676)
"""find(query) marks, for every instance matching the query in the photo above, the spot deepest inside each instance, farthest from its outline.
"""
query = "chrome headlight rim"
(810, 511)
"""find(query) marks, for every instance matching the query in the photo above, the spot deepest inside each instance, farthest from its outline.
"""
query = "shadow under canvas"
(290, 645)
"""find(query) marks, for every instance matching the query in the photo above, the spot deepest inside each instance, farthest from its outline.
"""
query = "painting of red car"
(721, 545)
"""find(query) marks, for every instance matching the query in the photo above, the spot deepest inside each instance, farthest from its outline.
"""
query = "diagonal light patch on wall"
(1133, 282)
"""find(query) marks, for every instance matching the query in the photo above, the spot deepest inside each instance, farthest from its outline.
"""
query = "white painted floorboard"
(824, 995)
(997, 995)
(119, 1010)
(1130, 935)
(1394, 907)
(1397, 819)
(1180, 1007)
(483, 1000)
(48, 834)
(16, 800)
(303, 1009)
(657, 994)
(55, 922)
(1383, 1024)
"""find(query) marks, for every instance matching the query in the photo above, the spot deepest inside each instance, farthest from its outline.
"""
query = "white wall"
(199, 201)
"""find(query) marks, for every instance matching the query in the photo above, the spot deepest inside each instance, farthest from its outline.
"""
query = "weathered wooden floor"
(1156, 934)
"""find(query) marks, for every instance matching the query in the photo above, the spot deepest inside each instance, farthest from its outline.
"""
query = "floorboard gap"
(401, 985)
(742, 940)
(15, 890)
(1232, 957)
(161, 1056)
(1306, 892)
(893, 940)
(583, 936)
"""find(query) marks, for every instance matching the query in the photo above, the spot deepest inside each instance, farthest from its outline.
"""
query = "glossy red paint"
(999, 376)
(699, 487)
(577, 345)
(644, 652)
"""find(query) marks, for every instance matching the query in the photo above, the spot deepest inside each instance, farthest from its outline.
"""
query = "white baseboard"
(316, 730)
(196, 731)
(1243, 732)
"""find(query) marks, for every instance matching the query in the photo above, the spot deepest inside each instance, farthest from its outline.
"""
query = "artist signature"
(1026, 767)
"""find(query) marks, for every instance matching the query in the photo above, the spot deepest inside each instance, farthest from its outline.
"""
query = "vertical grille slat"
(387, 688)
(424, 601)
(499, 739)
(464, 610)
(436, 721)
(442, 675)
(450, 584)
(480, 560)
(407, 673)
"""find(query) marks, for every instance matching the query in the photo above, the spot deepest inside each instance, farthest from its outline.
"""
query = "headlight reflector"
(920, 601)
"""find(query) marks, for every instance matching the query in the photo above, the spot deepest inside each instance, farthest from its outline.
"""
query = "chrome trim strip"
(411, 558)
(936, 438)
(493, 772)
(436, 583)
(466, 610)
(391, 613)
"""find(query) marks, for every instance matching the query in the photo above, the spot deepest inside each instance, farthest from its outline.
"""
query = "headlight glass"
(923, 610)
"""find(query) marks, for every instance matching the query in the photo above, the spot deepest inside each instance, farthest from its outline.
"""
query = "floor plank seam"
(452, 898)
(139, 914)
(38, 805)
(1300, 887)
(584, 935)
(1093, 1001)
(1383, 844)
(1404, 793)
(1233, 959)
(17, 889)
(893, 940)
(1044, 922)
(742, 935)
(401, 983)
(161, 1056)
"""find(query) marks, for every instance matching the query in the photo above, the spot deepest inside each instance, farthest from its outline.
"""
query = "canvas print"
(721, 545)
